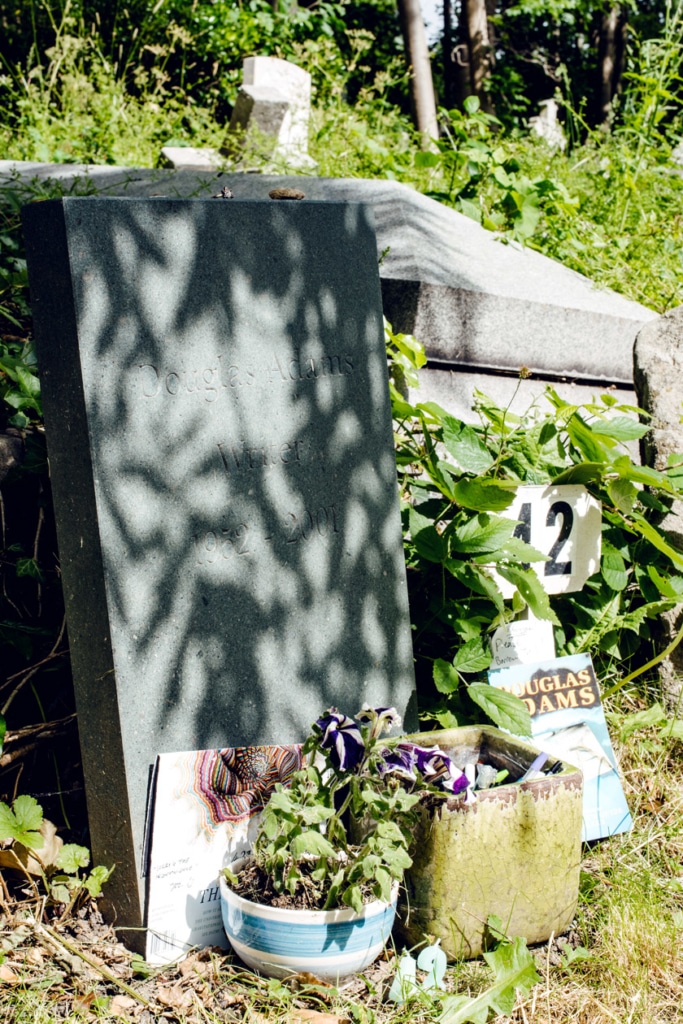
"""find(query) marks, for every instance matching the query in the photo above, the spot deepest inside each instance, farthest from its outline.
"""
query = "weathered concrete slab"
(658, 371)
(455, 391)
(472, 300)
(221, 453)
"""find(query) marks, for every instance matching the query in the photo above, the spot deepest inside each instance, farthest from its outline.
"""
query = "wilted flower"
(342, 737)
(381, 719)
(407, 760)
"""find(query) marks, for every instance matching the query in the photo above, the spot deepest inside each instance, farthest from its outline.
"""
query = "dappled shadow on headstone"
(229, 366)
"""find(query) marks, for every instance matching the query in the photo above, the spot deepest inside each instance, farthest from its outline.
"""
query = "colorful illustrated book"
(203, 816)
(568, 721)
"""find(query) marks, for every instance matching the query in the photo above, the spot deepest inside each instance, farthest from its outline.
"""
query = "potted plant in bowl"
(319, 891)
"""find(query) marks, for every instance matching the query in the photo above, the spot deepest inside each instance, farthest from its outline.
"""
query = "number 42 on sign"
(564, 523)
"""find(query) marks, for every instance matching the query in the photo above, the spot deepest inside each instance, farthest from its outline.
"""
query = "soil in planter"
(254, 885)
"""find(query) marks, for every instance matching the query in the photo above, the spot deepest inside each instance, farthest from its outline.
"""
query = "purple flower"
(342, 737)
(440, 770)
(400, 760)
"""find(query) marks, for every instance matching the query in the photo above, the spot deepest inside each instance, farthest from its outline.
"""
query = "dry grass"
(630, 922)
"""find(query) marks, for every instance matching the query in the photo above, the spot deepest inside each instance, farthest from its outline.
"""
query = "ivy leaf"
(483, 495)
(504, 709)
(466, 447)
(428, 541)
(445, 677)
(531, 589)
(471, 657)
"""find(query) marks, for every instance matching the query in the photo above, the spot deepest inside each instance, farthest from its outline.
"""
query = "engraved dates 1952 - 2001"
(226, 543)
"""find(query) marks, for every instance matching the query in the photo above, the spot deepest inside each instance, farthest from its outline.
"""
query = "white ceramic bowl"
(331, 944)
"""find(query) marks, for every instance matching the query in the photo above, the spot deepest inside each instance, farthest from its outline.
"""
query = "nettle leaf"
(482, 533)
(72, 857)
(671, 586)
(471, 657)
(623, 494)
(584, 473)
(478, 580)
(515, 550)
(504, 709)
(627, 470)
(466, 447)
(621, 428)
(483, 495)
(589, 444)
(445, 677)
(531, 589)
(428, 541)
(613, 568)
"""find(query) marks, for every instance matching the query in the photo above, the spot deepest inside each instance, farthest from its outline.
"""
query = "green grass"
(627, 967)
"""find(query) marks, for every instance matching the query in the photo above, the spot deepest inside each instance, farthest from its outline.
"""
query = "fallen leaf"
(120, 1005)
(7, 975)
(297, 981)
(19, 858)
(83, 1001)
(193, 967)
(174, 996)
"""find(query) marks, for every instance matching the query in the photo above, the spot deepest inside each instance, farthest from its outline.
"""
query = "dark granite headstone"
(221, 453)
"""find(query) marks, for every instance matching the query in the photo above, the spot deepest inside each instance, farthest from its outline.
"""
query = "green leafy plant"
(514, 971)
(26, 834)
(457, 478)
(339, 834)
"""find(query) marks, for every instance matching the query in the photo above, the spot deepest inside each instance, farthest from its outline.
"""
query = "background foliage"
(82, 80)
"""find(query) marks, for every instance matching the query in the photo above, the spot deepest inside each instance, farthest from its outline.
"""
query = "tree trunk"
(481, 49)
(421, 82)
(610, 61)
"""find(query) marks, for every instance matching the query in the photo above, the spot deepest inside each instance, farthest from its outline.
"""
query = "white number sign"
(563, 522)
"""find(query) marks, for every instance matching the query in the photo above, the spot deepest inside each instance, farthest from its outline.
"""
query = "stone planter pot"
(515, 852)
(278, 942)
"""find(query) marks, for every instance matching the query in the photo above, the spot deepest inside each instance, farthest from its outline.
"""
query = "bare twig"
(28, 674)
(31, 735)
(61, 943)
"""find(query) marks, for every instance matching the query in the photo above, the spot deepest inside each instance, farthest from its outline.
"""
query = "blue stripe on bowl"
(288, 938)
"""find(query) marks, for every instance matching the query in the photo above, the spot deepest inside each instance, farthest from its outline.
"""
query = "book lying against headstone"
(568, 721)
(204, 813)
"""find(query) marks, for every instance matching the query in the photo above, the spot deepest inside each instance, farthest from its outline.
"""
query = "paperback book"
(204, 813)
(568, 721)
